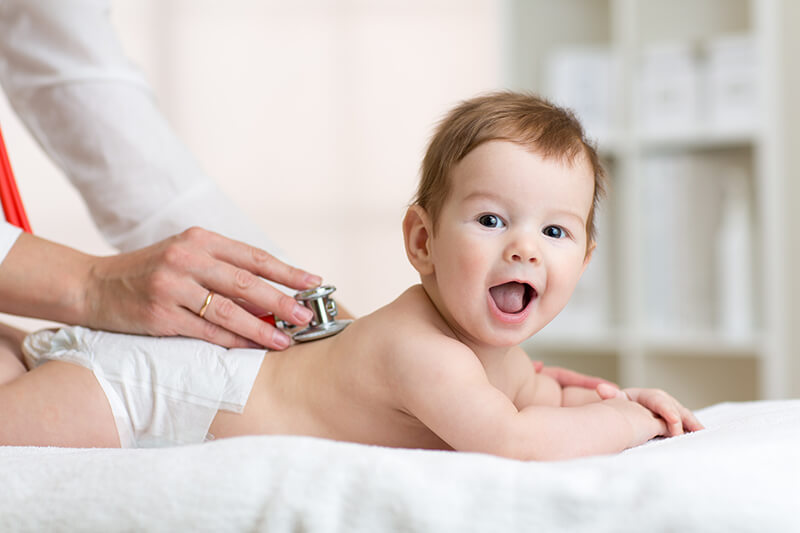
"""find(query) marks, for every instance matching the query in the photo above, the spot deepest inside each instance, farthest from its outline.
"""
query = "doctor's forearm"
(42, 279)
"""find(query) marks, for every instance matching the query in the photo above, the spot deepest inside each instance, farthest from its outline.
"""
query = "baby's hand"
(643, 423)
(676, 417)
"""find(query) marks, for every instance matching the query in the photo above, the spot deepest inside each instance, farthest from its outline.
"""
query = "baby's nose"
(523, 251)
(530, 258)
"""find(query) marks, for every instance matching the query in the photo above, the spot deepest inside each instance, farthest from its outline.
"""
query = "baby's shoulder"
(410, 326)
(411, 314)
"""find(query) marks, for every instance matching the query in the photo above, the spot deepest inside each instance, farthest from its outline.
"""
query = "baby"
(500, 231)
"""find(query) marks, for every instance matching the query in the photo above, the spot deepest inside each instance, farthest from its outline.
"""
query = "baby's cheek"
(468, 261)
(561, 285)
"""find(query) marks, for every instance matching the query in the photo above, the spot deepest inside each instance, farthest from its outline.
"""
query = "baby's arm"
(540, 389)
(442, 383)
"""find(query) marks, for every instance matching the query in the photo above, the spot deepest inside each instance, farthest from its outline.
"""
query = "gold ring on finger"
(206, 304)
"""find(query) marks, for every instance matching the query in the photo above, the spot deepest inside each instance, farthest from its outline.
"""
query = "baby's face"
(510, 243)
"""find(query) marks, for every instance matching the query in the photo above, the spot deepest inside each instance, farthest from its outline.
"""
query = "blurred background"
(313, 115)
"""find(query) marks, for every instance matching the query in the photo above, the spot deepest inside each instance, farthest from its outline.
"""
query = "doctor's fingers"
(243, 286)
(220, 320)
(250, 258)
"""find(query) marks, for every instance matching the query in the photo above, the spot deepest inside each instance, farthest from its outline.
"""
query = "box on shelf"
(682, 87)
(668, 88)
(582, 79)
(732, 82)
(685, 88)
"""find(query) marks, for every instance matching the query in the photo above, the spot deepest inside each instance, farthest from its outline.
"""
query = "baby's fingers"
(690, 422)
(672, 417)
(681, 420)
(663, 405)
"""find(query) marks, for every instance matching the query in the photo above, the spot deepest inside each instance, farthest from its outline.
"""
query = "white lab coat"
(66, 76)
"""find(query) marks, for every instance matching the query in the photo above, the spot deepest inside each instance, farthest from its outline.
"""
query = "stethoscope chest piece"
(324, 308)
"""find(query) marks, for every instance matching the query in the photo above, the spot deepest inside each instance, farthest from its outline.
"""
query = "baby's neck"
(486, 353)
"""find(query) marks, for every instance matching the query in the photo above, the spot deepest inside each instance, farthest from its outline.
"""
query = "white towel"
(740, 474)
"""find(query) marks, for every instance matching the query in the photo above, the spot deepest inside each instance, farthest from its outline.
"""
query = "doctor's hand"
(570, 378)
(196, 284)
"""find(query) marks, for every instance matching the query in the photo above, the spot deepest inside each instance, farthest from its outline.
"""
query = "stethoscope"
(324, 308)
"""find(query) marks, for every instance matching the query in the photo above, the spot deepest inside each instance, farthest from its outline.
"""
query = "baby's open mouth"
(512, 297)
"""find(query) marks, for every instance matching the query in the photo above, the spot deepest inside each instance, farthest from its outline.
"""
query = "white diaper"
(163, 391)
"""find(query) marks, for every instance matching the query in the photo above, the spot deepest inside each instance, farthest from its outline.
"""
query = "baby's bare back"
(337, 388)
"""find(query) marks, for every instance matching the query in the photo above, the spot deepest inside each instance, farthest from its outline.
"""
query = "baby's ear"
(417, 233)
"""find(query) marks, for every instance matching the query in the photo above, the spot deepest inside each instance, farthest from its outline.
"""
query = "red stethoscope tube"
(9, 194)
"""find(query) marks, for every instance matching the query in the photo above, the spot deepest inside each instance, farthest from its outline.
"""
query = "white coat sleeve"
(8, 236)
(66, 76)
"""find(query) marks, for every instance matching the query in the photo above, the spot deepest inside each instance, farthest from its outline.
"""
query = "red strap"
(9, 194)
(268, 318)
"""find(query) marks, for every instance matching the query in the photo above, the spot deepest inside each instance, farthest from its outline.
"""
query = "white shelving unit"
(663, 316)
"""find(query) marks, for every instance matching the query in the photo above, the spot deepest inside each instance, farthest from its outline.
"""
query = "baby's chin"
(514, 338)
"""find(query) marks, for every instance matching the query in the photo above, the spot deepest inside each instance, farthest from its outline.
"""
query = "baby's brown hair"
(543, 128)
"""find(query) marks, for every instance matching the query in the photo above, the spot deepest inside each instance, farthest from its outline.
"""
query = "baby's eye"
(555, 232)
(491, 221)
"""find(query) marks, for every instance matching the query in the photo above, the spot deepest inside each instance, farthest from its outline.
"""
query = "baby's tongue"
(509, 296)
